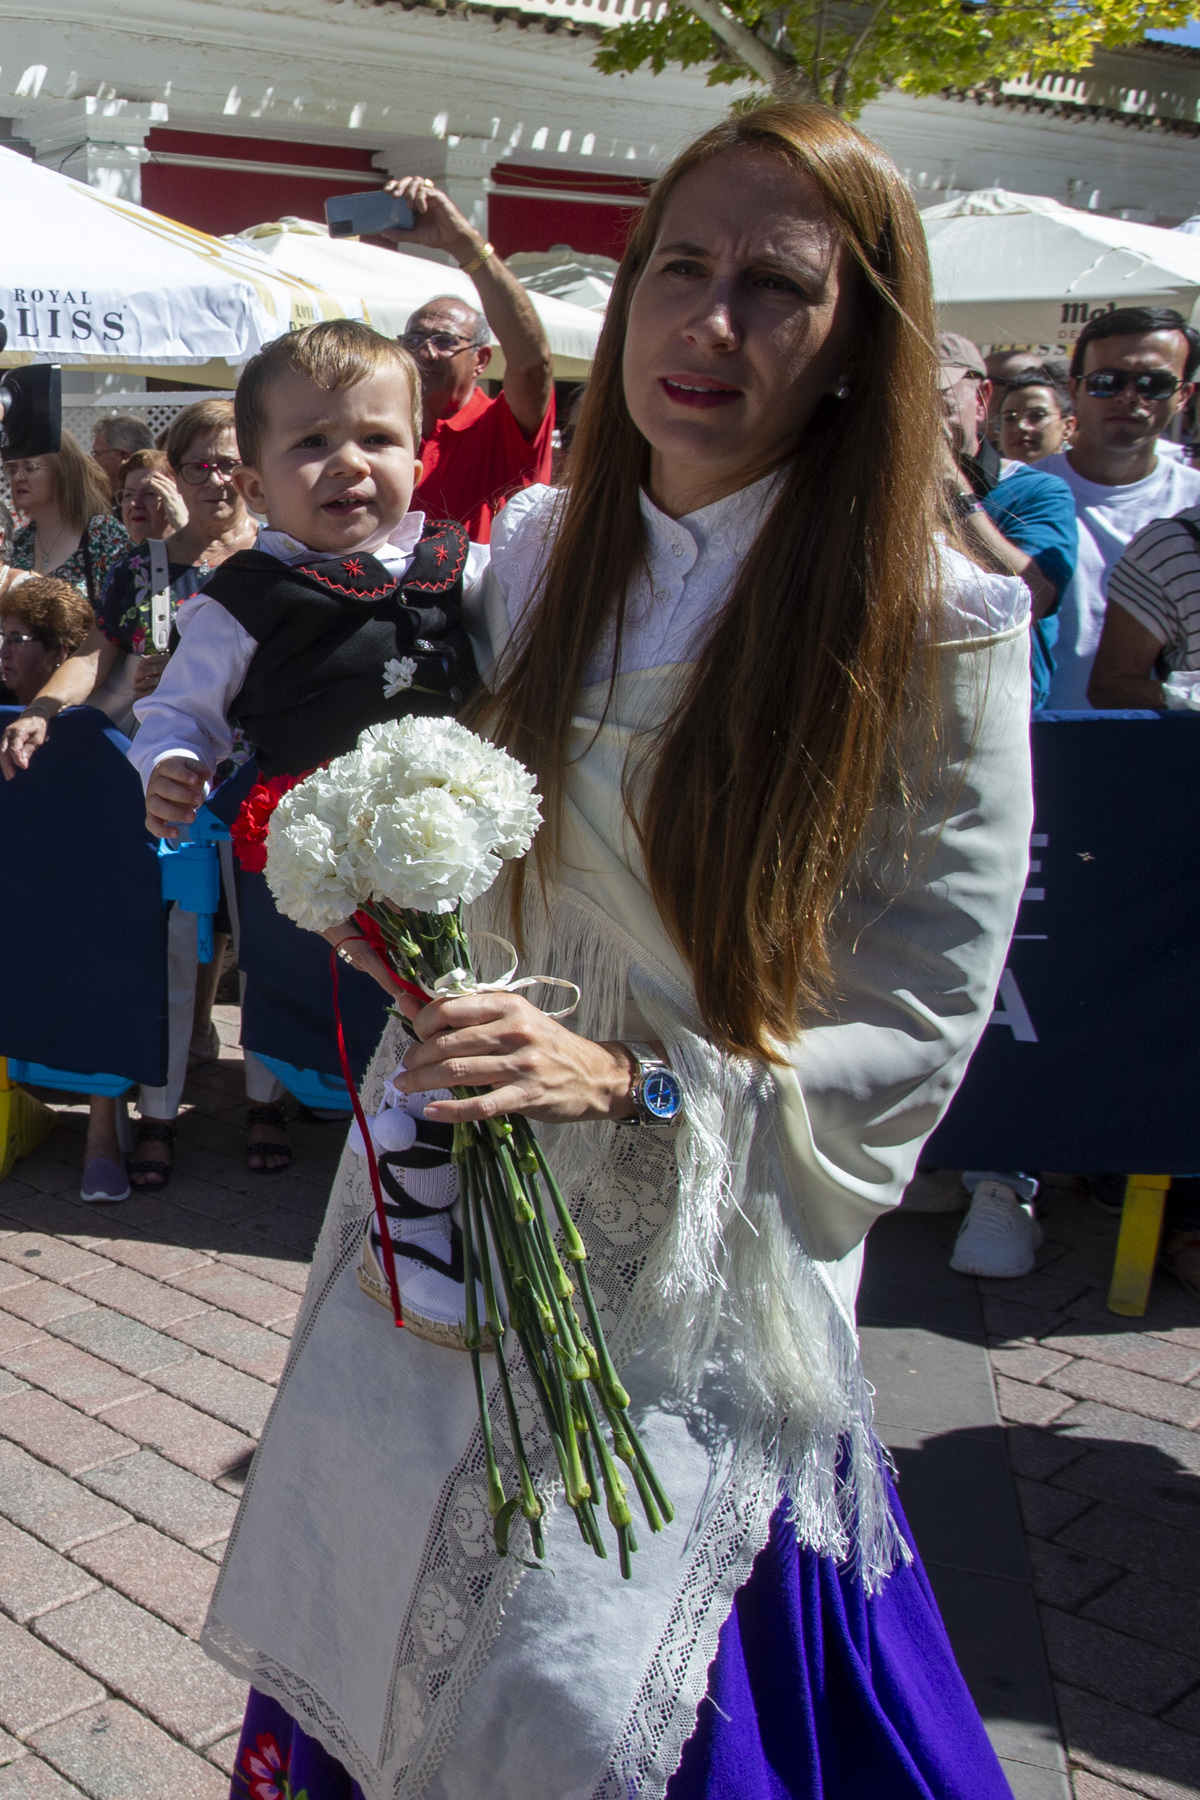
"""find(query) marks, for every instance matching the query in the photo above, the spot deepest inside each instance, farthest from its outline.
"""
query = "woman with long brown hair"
(781, 731)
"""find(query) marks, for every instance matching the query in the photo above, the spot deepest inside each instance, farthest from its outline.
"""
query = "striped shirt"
(1157, 581)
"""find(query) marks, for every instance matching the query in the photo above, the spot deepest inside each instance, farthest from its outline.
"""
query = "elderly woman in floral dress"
(780, 728)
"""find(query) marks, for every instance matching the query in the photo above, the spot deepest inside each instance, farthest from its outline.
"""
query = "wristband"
(37, 710)
(477, 262)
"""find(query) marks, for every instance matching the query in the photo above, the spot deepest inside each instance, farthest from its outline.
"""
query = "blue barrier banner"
(1091, 1061)
(85, 936)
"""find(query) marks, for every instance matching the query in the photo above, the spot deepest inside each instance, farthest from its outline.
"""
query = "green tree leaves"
(845, 53)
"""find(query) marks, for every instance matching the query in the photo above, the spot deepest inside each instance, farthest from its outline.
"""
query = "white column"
(97, 141)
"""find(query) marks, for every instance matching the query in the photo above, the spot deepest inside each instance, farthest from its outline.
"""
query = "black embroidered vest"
(325, 630)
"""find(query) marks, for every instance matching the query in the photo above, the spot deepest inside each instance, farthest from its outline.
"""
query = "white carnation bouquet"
(411, 825)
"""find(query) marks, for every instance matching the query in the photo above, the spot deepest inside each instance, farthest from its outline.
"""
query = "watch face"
(661, 1095)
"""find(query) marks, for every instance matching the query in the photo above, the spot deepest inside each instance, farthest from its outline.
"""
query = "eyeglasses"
(30, 466)
(197, 473)
(1151, 384)
(444, 343)
(12, 639)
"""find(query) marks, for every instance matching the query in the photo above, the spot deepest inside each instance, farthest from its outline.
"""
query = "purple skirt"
(817, 1692)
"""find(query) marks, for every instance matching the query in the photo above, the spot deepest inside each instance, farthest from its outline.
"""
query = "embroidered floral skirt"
(817, 1692)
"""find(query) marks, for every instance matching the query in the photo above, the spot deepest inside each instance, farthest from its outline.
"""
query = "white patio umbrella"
(1024, 269)
(393, 284)
(87, 280)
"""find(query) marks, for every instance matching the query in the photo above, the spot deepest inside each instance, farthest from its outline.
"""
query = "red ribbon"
(389, 1258)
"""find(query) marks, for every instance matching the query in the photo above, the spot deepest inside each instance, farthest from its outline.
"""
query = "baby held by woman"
(347, 612)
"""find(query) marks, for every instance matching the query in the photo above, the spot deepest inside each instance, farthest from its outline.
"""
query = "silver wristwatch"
(657, 1092)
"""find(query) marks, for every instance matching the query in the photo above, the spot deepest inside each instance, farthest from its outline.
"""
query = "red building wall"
(526, 212)
(228, 198)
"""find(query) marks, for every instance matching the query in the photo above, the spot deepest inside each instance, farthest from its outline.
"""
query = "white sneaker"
(998, 1237)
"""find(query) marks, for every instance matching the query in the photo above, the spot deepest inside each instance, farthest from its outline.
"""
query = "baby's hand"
(174, 795)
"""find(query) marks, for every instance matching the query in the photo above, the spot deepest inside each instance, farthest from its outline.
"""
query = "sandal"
(271, 1114)
(149, 1173)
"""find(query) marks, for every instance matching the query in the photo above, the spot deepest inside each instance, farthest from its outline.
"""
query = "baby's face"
(335, 469)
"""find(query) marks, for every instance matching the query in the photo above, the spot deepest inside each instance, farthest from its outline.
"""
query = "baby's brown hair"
(337, 353)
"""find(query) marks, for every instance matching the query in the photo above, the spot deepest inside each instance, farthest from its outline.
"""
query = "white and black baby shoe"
(420, 1184)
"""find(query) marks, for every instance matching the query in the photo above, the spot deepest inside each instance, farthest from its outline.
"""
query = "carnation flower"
(420, 814)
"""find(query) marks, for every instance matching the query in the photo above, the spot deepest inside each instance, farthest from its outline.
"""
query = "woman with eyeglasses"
(71, 533)
(201, 452)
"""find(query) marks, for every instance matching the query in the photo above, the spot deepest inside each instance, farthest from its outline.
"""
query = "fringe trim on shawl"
(729, 1278)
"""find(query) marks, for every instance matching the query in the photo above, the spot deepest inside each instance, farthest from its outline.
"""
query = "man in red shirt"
(476, 451)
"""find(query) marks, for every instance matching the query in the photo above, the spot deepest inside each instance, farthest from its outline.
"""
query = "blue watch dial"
(661, 1095)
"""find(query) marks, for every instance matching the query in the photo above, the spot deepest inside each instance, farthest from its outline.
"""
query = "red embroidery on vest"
(453, 535)
(352, 566)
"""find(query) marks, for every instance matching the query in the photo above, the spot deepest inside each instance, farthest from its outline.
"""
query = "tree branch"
(818, 48)
(766, 63)
(839, 86)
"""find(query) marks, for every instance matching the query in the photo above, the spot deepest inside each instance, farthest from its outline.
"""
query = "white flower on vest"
(399, 673)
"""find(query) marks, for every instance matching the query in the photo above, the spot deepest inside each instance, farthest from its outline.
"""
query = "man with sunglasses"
(475, 451)
(1131, 373)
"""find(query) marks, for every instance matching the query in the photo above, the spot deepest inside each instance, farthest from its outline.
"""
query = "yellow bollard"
(24, 1121)
(1137, 1244)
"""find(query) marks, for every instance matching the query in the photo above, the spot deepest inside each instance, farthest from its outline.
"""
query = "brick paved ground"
(139, 1346)
(1102, 1417)
(139, 1349)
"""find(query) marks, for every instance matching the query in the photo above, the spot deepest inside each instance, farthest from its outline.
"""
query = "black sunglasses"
(1151, 384)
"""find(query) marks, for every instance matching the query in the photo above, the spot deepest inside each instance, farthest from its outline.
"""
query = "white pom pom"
(355, 1140)
(393, 1129)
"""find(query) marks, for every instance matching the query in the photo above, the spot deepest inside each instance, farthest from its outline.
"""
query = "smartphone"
(366, 215)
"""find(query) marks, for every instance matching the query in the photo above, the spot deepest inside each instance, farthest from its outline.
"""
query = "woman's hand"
(528, 1063)
(20, 740)
(170, 500)
(148, 673)
(355, 949)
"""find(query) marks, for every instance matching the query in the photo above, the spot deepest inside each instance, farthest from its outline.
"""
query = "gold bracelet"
(477, 262)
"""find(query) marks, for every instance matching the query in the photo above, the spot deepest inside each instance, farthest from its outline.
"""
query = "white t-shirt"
(1108, 518)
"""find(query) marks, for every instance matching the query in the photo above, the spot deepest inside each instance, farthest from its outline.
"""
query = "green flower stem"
(506, 1183)
(614, 1487)
(572, 1242)
(623, 1445)
(609, 1380)
(472, 1205)
(656, 1487)
(494, 1483)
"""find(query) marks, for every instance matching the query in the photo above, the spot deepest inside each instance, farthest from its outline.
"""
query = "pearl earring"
(842, 390)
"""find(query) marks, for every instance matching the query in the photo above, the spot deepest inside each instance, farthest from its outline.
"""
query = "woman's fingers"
(354, 949)
(19, 743)
(488, 1105)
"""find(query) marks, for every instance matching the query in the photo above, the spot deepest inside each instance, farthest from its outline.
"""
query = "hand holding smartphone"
(367, 215)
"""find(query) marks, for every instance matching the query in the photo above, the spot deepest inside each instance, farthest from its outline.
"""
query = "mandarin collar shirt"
(691, 563)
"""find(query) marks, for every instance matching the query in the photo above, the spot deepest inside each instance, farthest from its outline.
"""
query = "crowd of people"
(1068, 477)
(751, 614)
